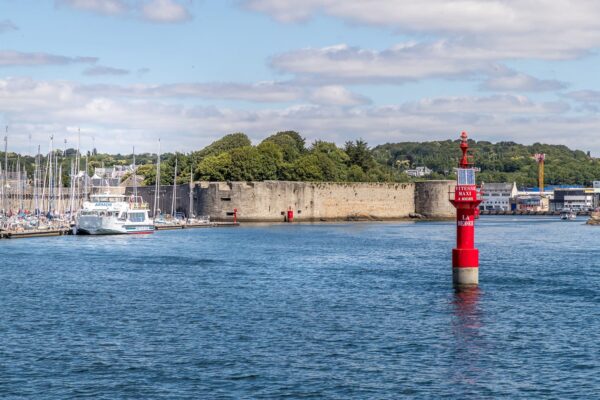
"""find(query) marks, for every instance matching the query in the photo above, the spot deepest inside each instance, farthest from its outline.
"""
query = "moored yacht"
(110, 214)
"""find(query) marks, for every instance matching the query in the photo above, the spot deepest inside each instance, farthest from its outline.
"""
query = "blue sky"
(127, 72)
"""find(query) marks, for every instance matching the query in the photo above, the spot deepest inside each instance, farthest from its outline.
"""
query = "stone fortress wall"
(323, 201)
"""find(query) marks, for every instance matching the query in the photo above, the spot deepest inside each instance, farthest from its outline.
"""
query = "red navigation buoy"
(290, 215)
(466, 199)
(235, 215)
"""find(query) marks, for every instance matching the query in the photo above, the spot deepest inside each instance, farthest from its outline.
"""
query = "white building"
(498, 196)
(418, 172)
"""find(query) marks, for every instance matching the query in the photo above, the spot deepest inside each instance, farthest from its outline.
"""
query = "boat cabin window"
(137, 216)
(107, 199)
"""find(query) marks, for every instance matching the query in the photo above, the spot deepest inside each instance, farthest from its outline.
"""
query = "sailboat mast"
(5, 183)
(191, 209)
(174, 199)
(72, 194)
(36, 181)
(77, 189)
(135, 193)
(51, 177)
(19, 199)
(87, 178)
(46, 179)
(61, 207)
(157, 183)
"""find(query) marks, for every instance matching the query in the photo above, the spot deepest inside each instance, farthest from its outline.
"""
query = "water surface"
(360, 310)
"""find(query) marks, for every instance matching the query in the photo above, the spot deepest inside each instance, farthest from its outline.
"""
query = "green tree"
(226, 143)
(359, 154)
(291, 144)
(307, 168)
(215, 168)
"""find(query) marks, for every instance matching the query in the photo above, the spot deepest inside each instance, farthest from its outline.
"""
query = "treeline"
(286, 156)
(282, 156)
(499, 162)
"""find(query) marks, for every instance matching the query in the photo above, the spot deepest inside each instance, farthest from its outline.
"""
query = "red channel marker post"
(466, 199)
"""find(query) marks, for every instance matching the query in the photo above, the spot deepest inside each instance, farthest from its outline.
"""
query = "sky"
(125, 73)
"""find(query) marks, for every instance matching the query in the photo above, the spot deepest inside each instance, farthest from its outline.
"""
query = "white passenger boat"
(110, 214)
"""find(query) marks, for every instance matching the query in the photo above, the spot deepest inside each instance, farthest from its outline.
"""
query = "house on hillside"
(418, 172)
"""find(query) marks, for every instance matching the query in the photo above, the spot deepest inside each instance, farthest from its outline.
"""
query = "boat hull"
(111, 226)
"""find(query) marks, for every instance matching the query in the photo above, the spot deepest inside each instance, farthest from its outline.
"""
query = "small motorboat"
(567, 214)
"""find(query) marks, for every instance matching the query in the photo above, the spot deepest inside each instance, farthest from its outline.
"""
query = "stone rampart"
(315, 201)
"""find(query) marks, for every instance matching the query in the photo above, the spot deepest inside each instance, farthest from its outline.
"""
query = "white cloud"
(261, 92)
(150, 10)
(404, 62)
(544, 29)
(10, 58)
(102, 70)
(119, 122)
(105, 7)
(507, 80)
(336, 95)
(165, 11)
(585, 96)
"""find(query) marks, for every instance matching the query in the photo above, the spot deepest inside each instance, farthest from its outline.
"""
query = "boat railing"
(139, 206)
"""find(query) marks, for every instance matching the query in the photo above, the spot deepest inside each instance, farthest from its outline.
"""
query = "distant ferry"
(109, 214)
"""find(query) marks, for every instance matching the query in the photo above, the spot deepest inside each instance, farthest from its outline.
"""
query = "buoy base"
(464, 277)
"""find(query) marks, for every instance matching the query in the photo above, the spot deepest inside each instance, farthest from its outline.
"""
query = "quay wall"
(314, 201)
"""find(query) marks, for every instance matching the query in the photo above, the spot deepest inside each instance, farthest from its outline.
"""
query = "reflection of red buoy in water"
(290, 215)
(466, 308)
(466, 199)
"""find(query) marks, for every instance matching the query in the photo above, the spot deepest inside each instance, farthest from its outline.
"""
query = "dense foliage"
(286, 156)
(499, 162)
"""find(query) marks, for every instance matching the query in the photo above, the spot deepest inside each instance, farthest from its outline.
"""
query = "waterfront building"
(498, 196)
(532, 203)
(577, 199)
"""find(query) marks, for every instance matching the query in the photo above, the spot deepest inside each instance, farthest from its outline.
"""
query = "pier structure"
(465, 198)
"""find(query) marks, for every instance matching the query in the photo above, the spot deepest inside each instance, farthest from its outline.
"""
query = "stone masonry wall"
(312, 201)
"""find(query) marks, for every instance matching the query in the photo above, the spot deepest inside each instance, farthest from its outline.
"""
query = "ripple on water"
(316, 311)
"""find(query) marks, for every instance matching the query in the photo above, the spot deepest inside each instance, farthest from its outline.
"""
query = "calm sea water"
(362, 310)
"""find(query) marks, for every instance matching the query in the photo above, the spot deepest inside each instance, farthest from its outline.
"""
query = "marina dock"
(32, 233)
(541, 213)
